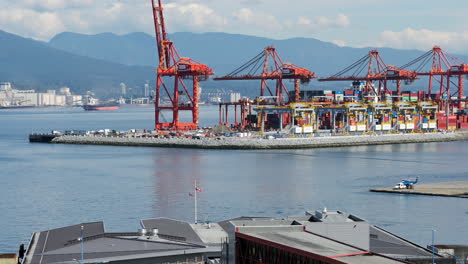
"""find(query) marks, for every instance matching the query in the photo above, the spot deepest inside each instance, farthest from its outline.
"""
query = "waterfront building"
(322, 237)
(10, 97)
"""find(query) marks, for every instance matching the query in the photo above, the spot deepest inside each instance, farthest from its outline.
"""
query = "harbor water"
(46, 186)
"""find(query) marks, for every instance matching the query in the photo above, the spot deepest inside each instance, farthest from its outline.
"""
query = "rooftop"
(307, 242)
(64, 244)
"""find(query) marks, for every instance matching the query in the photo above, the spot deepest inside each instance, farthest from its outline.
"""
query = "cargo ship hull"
(41, 138)
(18, 107)
(101, 107)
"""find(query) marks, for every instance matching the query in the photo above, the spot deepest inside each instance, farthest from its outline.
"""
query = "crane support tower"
(372, 68)
(268, 65)
(171, 72)
(441, 67)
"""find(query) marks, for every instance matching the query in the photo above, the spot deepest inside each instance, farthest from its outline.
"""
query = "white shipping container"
(352, 128)
(410, 126)
(308, 129)
(402, 126)
(378, 127)
(386, 127)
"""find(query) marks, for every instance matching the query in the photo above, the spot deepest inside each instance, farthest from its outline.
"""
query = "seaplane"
(406, 184)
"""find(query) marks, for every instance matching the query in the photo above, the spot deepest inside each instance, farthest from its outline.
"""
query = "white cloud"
(424, 39)
(56, 4)
(40, 25)
(193, 16)
(246, 16)
(321, 22)
(271, 25)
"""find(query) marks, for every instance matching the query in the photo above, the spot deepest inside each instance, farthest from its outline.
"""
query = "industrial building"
(171, 242)
(220, 97)
(10, 97)
(318, 237)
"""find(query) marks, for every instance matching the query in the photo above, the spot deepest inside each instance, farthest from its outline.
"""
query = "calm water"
(46, 186)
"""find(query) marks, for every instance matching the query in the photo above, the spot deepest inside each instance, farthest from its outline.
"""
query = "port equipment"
(304, 117)
(381, 117)
(294, 118)
(440, 66)
(272, 118)
(372, 68)
(428, 116)
(247, 120)
(356, 117)
(175, 69)
(268, 65)
(406, 117)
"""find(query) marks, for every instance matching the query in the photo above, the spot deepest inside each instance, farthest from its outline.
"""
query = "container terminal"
(322, 236)
(368, 107)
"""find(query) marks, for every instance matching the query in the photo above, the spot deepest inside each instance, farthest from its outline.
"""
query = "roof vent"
(155, 232)
(142, 231)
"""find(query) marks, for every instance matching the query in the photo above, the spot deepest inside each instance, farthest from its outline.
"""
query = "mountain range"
(222, 51)
(33, 64)
(101, 62)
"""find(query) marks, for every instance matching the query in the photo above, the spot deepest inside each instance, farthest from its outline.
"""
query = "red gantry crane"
(441, 67)
(372, 68)
(268, 65)
(174, 68)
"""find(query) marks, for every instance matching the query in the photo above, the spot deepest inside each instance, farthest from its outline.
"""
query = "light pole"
(82, 245)
(433, 234)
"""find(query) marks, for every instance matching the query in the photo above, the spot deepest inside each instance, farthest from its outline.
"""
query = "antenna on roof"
(82, 245)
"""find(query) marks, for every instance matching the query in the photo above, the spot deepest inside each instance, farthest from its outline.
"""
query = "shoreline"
(258, 144)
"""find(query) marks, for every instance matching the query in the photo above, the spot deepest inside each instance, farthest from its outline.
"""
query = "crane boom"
(268, 65)
(371, 68)
(161, 33)
(175, 96)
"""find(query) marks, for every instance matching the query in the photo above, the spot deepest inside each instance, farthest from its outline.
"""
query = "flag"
(198, 189)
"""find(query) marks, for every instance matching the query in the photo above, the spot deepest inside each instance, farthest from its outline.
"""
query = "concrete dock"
(451, 189)
(260, 143)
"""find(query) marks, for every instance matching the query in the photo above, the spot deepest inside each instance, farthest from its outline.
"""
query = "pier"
(452, 189)
(261, 143)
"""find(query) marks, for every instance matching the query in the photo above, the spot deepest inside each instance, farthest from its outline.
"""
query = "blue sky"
(405, 24)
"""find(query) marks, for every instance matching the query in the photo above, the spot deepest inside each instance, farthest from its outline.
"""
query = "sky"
(402, 24)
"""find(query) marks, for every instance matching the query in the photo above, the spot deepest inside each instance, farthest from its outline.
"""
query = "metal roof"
(56, 238)
(361, 259)
(63, 245)
(384, 242)
(177, 230)
(318, 245)
(210, 234)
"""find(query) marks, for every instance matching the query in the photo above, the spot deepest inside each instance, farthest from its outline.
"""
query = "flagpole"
(195, 196)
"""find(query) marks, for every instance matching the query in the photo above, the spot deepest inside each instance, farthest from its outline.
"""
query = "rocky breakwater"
(261, 143)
